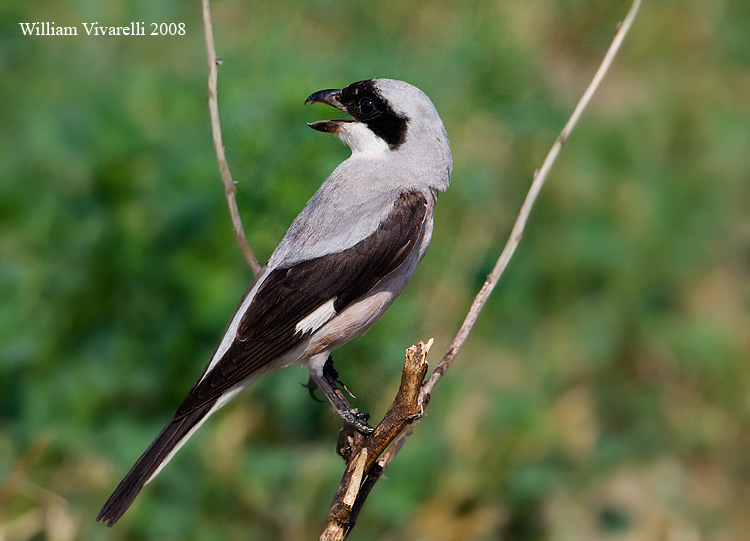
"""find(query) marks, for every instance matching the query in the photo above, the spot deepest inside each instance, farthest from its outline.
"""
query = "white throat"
(362, 141)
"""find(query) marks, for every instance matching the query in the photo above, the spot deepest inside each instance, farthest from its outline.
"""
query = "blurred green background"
(603, 394)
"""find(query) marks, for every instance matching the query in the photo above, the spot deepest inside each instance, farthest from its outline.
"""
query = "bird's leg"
(328, 382)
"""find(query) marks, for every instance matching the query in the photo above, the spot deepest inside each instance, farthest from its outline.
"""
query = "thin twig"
(540, 177)
(376, 450)
(230, 188)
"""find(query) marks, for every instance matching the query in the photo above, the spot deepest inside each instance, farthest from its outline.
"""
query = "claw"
(311, 387)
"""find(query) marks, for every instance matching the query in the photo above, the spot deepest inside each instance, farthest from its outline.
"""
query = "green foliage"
(603, 392)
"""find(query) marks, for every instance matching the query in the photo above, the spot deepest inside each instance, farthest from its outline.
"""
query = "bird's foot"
(328, 382)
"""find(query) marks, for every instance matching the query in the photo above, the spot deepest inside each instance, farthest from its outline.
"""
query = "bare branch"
(540, 177)
(367, 456)
(361, 452)
(230, 189)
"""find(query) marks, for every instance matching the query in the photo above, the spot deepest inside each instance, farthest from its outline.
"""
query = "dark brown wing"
(267, 330)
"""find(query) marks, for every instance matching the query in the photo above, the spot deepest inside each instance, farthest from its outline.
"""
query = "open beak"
(330, 97)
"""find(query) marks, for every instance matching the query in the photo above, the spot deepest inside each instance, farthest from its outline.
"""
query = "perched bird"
(344, 260)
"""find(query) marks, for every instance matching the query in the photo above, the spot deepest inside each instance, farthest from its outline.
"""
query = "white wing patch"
(317, 318)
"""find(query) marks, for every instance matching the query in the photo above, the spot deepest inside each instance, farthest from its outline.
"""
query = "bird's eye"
(366, 106)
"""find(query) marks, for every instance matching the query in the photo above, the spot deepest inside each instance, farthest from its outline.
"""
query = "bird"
(343, 261)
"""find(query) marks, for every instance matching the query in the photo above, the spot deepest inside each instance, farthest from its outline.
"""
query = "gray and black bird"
(342, 263)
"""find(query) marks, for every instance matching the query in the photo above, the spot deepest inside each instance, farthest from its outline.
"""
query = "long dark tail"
(157, 455)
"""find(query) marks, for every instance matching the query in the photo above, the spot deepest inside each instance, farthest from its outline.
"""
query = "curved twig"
(230, 187)
(540, 176)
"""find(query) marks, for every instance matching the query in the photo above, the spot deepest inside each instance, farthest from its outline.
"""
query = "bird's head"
(387, 117)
